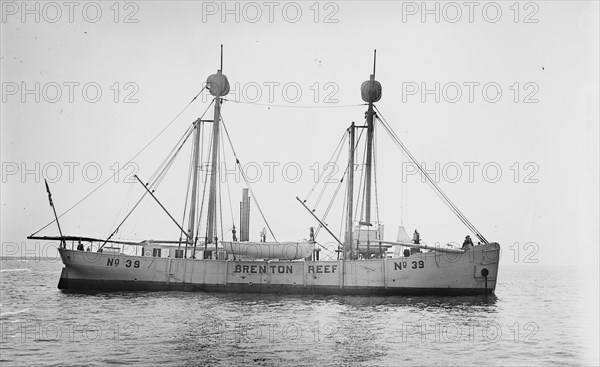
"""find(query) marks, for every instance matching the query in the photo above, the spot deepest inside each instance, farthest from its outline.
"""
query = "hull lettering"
(263, 269)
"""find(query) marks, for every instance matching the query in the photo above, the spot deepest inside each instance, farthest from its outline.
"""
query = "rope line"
(292, 106)
(122, 166)
(237, 161)
(445, 198)
(152, 186)
(340, 144)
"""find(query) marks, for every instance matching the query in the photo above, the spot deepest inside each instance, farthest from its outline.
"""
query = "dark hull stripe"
(114, 285)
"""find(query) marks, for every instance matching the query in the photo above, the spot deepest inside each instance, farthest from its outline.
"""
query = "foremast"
(371, 93)
(218, 86)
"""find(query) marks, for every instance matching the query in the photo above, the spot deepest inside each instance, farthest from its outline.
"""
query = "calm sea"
(534, 319)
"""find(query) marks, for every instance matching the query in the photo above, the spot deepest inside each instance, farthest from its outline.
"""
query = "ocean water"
(534, 319)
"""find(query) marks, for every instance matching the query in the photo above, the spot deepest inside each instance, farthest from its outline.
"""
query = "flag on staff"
(49, 194)
(64, 244)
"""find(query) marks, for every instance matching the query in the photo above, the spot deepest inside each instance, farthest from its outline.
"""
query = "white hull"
(421, 273)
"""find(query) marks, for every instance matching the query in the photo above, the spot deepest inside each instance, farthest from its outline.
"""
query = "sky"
(499, 101)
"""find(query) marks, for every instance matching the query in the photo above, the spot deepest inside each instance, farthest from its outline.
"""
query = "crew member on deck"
(80, 246)
(468, 243)
(416, 238)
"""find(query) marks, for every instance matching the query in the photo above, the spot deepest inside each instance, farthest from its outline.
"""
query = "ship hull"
(433, 273)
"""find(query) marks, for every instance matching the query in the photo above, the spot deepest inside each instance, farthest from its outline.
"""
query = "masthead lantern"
(370, 90)
(217, 84)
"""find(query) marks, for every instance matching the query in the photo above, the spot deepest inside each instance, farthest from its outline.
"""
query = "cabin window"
(156, 252)
(178, 254)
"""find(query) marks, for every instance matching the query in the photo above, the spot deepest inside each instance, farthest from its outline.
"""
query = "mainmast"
(218, 86)
(370, 92)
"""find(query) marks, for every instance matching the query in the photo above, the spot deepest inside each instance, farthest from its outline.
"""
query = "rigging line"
(189, 181)
(336, 191)
(227, 181)
(204, 177)
(340, 143)
(341, 180)
(192, 127)
(331, 202)
(346, 170)
(339, 152)
(246, 180)
(199, 220)
(337, 159)
(292, 106)
(124, 219)
(320, 245)
(216, 156)
(344, 213)
(438, 190)
(206, 173)
(220, 187)
(453, 207)
(441, 194)
(375, 176)
(161, 205)
(124, 206)
(168, 156)
(163, 173)
(362, 174)
(220, 193)
(184, 138)
(402, 192)
(362, 192)
(314, 216)
(424, 173)
(153, 185)
(202, 137)
(123, 166)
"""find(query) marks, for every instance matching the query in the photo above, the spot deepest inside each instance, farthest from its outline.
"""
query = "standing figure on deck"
(80, 246)
(416, 238)
(468, 243)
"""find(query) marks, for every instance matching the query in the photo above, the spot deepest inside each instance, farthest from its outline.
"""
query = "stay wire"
(293, 106)
(340, 144)
(237, 161)
(346, 170)
(445, 198)
(152, 186)
(189, 181)
(339, 152)
(227, 181)
(208, 154)
(122, 166)
(181, 141)
(190, 127)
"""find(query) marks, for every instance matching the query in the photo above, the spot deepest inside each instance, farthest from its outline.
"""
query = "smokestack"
(245, 216)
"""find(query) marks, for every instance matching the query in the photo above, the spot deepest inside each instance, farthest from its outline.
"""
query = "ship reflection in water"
(338, 330)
